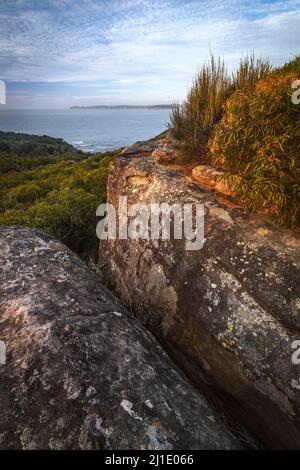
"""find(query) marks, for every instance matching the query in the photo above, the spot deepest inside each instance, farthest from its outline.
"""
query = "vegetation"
(247, 125)
(290, 67)
(203, 107)
(59, 197)
(193, 122)
(19, 152)
(258, 143)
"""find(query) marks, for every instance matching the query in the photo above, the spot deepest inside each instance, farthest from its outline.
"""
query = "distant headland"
(122, 106)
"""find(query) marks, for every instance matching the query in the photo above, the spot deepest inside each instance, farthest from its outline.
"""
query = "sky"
(60, 53)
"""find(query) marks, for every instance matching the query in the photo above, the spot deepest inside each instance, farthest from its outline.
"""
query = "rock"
(227, 313)
(224, 186)
(80, 372)
(164, 153)
(135, 149)
(212, 178)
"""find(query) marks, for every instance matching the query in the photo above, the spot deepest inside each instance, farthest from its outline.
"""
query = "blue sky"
(58, 53)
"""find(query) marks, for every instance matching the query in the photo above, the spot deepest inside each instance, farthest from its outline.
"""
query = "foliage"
(250, 71)
(252, 130)
(203, 107)
(258, 143)
(26, 144)
(290, 67)
(194, 120)
(19, 152)
(60, 198)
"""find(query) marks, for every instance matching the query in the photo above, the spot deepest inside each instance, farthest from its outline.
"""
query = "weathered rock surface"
(212, 178)
(228, 313)
(81, 372)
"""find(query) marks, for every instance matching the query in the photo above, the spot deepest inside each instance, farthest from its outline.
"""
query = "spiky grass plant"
(257, 142)
(250, 71)
(194, 120)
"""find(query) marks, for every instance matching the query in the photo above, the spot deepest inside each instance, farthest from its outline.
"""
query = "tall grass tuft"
(192, 122)
(250, 71)
(293, 66)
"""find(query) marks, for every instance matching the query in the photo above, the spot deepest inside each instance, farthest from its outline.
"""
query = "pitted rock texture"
(228, 313)
(80, 372)
(214, 179)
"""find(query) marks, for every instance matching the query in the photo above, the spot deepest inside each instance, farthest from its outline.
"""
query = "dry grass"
(192, 122)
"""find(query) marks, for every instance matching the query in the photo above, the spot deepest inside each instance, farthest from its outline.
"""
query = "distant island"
(124, 106)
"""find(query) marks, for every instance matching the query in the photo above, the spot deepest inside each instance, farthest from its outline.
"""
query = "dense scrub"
(26, 144)
(248, 125)
(193, 122)
(60, 198)
(290, 67)
(19, 152)
(258, 143)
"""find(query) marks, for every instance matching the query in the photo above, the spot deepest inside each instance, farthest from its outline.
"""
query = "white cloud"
(157, 46)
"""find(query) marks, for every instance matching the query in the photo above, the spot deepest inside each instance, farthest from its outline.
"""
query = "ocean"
(90, 130)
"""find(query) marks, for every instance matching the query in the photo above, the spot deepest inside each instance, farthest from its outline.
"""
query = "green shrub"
(21, 152)
(291, 67)
(203, 107)
(258, 143)
(22, 194)
(59, 198)
(250, 71)
(192, 122)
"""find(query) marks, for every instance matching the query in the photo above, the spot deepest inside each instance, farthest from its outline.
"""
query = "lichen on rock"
(228, 313)
(81, 372)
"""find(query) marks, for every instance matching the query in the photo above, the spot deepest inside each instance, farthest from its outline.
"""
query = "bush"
(250, 71)
(22, 194)
(203, 106)
(21, 152)
(258, 143)
(291, 67)
(59, 198)
(194, 120)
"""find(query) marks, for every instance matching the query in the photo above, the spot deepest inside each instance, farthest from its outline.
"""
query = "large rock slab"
(228, 313)
(80, 372)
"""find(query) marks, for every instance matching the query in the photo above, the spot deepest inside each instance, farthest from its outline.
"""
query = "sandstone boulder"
(80, 372)
(164, 153)
(212, 178)
(228, 313)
